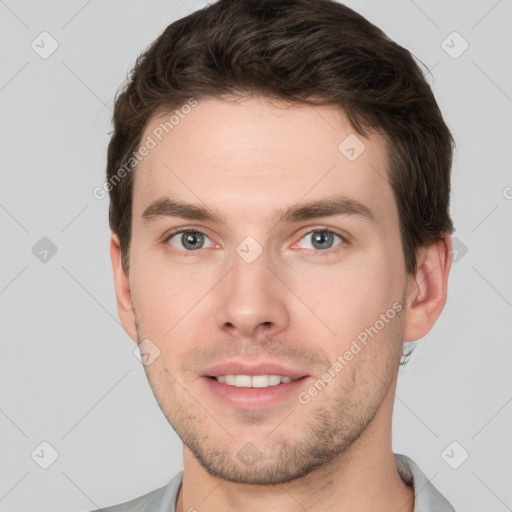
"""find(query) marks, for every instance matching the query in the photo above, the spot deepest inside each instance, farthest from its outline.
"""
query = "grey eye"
(189, 240)
(321, 239)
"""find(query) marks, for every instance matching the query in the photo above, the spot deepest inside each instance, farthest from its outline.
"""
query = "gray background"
(68, 373)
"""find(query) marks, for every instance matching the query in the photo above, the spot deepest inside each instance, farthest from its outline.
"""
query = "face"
(266, 268)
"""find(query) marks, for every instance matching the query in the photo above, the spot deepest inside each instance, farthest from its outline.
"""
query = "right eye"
(189, 240)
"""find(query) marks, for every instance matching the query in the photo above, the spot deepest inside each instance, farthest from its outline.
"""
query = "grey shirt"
(427, 497)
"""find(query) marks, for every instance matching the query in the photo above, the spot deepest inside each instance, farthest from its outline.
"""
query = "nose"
(252, 301)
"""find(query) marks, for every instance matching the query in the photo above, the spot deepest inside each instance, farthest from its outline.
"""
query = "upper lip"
(262, 368)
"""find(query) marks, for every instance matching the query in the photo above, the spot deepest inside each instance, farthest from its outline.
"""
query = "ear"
(427, 288)
(122, 287)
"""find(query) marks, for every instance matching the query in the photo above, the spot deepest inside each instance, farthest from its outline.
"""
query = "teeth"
(260, 381)
(274, 380)
(253, 381)
(243, 381)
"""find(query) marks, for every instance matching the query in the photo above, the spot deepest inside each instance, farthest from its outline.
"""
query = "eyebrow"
(327, 207)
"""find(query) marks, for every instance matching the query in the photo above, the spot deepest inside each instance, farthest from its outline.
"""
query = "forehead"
(250, 157)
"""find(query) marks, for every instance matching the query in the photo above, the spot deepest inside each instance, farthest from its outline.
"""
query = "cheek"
(348, 297)
(173, 305)
(161, 295)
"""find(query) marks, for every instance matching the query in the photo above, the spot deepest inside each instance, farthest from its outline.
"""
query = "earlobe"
(428, 288)
(122, 288)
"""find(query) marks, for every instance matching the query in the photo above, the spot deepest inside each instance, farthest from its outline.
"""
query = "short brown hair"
(316, 52)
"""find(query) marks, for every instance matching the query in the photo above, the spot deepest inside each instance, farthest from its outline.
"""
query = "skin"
(295, 304)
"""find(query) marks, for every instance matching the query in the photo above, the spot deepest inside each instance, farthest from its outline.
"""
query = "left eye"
(189, 240)
(321, 239)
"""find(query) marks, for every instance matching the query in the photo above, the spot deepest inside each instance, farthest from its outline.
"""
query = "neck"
(364, 477)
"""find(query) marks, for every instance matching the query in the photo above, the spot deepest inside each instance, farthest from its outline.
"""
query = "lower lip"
(254, 398)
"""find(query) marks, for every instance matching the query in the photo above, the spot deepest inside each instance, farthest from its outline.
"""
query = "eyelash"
(327, 252)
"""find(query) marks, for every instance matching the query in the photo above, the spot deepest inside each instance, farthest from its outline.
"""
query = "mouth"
(253, 387)
(253, 381)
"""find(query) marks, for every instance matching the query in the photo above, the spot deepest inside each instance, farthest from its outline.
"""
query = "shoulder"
(159, 500)
(427, 497)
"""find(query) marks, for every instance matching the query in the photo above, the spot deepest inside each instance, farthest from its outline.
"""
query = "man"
(279, 177)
